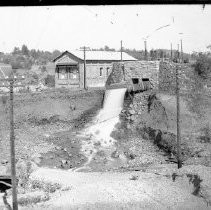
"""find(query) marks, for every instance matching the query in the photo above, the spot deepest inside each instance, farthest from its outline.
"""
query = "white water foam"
(108, 117)
(104, 123)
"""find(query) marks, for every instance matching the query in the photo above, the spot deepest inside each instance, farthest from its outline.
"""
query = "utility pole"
(145, 51)
(171, 53)
(121, 50)
(11, 81)
(178, 54)
(84, 49)
(179, 162)
(12, 148)
(181, 51)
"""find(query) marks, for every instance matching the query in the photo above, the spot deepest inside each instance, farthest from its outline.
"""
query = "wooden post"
(11, 80)
(179, 162)
(145, 46)
(84, 67)
(178, 54)
(12, 149)
(181, 52)
(84, 50)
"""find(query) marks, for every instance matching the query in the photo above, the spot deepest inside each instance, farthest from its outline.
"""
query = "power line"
(45, 29)
(97, 15)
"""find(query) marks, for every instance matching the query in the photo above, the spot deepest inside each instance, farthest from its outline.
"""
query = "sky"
(71, 27)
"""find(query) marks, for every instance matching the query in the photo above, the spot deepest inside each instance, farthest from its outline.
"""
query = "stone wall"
(167, 76)
(161, 74)
(123, 72)
(145, 115)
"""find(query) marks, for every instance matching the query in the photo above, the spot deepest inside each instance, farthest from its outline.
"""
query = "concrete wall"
(125, 71)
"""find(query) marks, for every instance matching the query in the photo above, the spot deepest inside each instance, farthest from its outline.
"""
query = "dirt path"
(114, 190)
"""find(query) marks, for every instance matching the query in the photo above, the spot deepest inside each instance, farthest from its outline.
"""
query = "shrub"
(45, 186)
(206, 134)
(32, 199)
(50, 81)
(203, 66)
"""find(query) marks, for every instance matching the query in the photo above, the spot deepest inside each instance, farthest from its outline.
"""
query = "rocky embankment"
(146, 116)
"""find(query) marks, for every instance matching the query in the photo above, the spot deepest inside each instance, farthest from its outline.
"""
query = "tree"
(34, 54)
(106, 48)
(25, 50)
(161, 53)
(55, 54)
(153, 54)
(16, 51)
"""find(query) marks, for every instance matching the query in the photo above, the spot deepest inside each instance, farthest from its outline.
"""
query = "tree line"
(153, 54)
(25, 58)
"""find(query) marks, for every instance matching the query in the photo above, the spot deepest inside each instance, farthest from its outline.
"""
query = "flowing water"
(98, 133)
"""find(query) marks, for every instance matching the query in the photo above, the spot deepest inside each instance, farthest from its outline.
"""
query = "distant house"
(21, 72)
(5, 72)
(69, 68)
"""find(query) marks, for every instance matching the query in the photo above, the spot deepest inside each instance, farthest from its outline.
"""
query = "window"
(135, 84)
(101, 71)
(62, 73)
(135, 80)
(107, 71)
(146, 83)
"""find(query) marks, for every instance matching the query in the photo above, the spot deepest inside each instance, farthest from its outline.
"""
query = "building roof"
(99, 55)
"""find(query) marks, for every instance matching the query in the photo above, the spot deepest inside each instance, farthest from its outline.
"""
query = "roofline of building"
(67, 52)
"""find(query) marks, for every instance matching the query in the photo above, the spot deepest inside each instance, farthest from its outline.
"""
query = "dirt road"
(130, 190)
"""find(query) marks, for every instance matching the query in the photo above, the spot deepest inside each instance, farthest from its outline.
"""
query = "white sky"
(70, 27)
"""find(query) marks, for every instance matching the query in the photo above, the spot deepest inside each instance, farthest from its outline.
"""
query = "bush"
(50, 81)
(206, 134)
(203, 66)
(45, 186)
(33, 199)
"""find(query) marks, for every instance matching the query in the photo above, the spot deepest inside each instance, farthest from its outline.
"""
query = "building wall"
(69, 82)
(94, 77)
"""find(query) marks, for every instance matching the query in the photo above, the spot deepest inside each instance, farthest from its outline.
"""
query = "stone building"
(135, 75)
(69, 68)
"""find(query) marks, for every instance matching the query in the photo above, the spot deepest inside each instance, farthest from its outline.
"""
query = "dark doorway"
(135, 80)
(136, 86)
(146, 84)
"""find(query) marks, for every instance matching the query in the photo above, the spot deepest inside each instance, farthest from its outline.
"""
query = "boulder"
(131, 111)
(132, 118)
(37, 160)
(3, 170)
(72, 107)
(4, 162)
(64, 162)
(115, 154)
